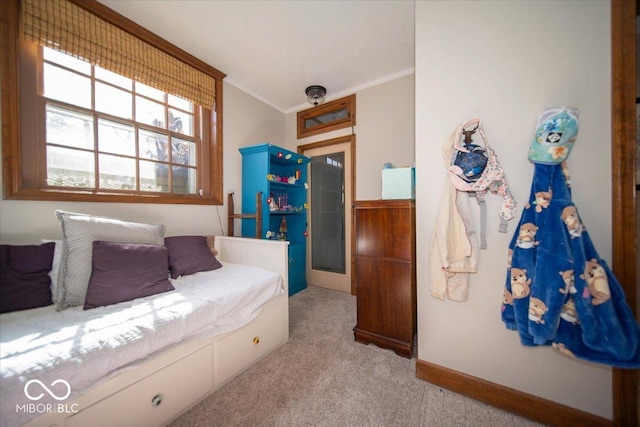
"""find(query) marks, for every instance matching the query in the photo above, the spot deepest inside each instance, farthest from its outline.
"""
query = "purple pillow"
(24, 276)
(189, 254)
(126, 271)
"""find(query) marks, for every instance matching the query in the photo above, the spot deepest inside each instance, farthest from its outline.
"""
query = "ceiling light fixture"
(315, 94)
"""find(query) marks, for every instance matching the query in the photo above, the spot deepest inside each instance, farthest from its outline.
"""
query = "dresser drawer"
(235, 352)
(155, 399)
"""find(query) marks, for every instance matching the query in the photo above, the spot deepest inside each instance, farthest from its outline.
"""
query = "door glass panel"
(327, 212)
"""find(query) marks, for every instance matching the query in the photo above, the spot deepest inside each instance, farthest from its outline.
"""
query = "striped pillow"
(79, 231)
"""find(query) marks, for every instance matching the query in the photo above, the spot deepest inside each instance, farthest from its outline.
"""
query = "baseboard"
(523, 404)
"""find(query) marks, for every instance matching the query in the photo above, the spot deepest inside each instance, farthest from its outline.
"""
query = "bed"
(150, 359)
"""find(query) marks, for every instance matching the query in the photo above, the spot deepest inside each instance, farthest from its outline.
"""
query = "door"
(330, 178)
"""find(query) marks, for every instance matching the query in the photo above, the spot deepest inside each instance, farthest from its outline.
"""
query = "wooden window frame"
(14, 175)
(348, 102)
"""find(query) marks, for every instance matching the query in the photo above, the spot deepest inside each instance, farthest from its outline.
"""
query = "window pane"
(184, 180)
(117, 173)
(183, 152)
(154, 177)
(67, 60)
(116, 138)
(113, 101)
(66, 86)
(149, 112)
(150, 92)
(113, 78)
(70, 128)
(181, 122)
(70, 168)
(180, 103)
(154, 146)
(322, 119)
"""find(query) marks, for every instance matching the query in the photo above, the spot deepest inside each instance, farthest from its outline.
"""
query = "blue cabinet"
(281, 176)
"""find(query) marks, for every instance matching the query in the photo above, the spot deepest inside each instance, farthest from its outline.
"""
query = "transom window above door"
(333, 115)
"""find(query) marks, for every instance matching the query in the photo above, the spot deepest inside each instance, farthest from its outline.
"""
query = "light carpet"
(322, 377)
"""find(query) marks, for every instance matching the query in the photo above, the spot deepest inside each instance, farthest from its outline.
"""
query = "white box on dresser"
(399, 183)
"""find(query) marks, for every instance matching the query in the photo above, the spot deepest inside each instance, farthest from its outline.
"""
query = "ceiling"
(273, 50)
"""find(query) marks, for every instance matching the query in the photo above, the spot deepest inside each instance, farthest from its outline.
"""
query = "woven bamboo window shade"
(66, 27)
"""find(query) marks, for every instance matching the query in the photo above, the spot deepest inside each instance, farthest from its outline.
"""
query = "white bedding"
(85, 348)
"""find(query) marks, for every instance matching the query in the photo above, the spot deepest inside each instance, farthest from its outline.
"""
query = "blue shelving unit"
(281, 176)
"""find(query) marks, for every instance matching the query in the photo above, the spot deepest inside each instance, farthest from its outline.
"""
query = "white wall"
(246, 121)
(505, 62)
(384, 133)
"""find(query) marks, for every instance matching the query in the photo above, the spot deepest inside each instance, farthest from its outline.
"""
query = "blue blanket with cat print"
(558, 290)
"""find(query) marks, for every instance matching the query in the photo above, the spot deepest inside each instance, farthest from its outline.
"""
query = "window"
(333, 115)
(107, 132)
(90, 129)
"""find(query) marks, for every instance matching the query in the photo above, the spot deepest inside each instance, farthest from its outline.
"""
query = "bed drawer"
(155, 399)
(235, 352)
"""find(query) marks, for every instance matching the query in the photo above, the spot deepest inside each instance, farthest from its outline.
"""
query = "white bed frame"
(168, 385)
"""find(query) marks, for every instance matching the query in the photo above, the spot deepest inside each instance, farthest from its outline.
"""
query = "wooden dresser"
(384, 255)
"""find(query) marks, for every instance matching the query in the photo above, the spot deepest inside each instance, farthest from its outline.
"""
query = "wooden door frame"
(351, 139)
(623, 140)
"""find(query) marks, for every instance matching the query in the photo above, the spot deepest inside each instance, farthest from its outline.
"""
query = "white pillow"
(79, 231)
(55, 266)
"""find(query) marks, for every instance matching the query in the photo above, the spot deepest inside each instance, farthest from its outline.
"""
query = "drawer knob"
(157, 400)
(256, 340)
